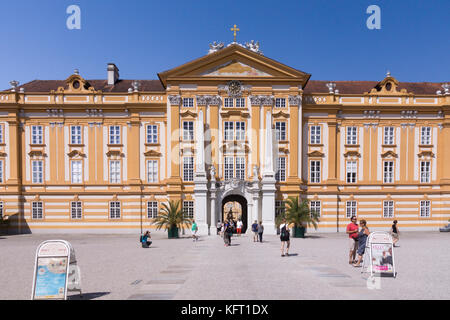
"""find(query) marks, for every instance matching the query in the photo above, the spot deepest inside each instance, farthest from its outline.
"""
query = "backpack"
(284, 232)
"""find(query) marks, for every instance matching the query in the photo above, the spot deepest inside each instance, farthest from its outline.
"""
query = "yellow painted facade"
(80, 159)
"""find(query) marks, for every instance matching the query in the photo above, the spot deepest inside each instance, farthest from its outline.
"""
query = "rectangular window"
(75, 134)
(240, 168)
(228, 103)
(1, 210)
(425, 135)
(1, 171)
(1, 134)
(229, 130)
(280, 102)
(188, 168)
(280, 207)
(188, 209)
(188, 102)
(315, 135)
(152, 209)
(389, 135)
(240, 131)
(280, 131)
(314, 207)
(350, 209)
(388, 176)
(37, 171)
(280, 174)
(352, 137)
(152, 134)
(425, 171)
(114, 134)
(76, 167)
(425, 208)
(240, 103)
(75, 210)
(188, 130)
(36, 135)
(36, 210)
(315, 171)
(388, 209)
(114, 209)
(351, 171)
(152, 171)
(114, 171)
(228, 166)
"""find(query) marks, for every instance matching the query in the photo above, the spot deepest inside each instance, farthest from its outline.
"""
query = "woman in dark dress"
(362, 239)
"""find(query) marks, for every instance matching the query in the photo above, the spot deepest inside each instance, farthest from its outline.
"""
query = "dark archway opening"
(235, 207)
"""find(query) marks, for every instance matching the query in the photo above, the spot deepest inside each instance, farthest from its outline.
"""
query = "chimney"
(113, 74)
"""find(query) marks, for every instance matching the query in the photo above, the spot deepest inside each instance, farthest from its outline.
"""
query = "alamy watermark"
(74, 20)
(374, 20)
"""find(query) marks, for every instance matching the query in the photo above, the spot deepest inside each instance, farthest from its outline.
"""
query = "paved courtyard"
(116, 267)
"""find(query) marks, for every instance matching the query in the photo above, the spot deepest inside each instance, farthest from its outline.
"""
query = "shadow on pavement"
(88, 296)
(293, 254)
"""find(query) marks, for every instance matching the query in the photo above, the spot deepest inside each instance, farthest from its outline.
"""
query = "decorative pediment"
(76, 84)
(426, 154)
(37, 153)
(234, 68)
(3, 154)
(388, 86)
(389, 154)
(316, 154)
(75, 153)
(280, 114)
(352, 154)
(235, 147)
(240, 113)
(284, 150)
(152, 153)
(188, 113)
(114, 153)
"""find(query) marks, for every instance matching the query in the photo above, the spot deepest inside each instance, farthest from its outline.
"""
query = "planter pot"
(173, 233)
(299, 232)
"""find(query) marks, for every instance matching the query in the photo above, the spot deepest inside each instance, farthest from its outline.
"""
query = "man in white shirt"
(239, 227)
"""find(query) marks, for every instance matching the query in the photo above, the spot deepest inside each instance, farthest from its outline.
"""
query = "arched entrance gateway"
(235, 207)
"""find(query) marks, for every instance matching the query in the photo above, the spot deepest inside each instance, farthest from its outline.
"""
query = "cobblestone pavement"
(116, 267)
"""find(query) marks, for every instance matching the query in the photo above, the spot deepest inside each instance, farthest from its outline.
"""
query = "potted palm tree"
(172, 218)
(300, 215)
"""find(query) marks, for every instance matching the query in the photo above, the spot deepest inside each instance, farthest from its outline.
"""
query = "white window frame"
(316, 206)
(351, 208)
(315, 135)
(115, 172)
(280, 174)
(188, 130)
(37, 210)
(280, 102)
(240, 130)
(152, 209)
(389, 135)
(76, 210)
(425, 171)
(314, 171)
(152, 171)
(37, 169)
(115, 210)
(388, 171)
(280, 207)
(388, 209)
(280, 130)
(152, 133)
(240, 168)
(114, 134)
(425, 136)
(228, 103)
(188, 209)
(76, 170)
(228, 166)
(1, 171)
(37, 135)
(351, 171)
(188, 168)
(1, 133)
(75, 135)
(240, 103)
(228, 130)
(352, 135)
(188, 102)
(425, 209)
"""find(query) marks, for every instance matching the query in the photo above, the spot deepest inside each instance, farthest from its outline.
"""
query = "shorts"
(255, 233)
(352, 244)
(238, 230)
(394, 235)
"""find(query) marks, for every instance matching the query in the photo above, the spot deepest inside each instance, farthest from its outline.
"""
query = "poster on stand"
(382, 260)
(51, 275)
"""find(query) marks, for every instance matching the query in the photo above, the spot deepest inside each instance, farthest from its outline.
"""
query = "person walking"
(219, 227)
(228, 232)
(285, 238)
(255, 231)
(260, 231)
(194, 231)
(352, 231)
(362, 239)
(239, 227)
(395, 233)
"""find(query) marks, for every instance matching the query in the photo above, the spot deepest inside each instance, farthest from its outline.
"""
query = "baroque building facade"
(81, 155)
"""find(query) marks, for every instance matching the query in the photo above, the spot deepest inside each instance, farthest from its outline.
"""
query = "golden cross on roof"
(235, 29)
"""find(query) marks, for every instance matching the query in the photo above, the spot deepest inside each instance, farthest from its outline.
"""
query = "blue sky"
(326, 38)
